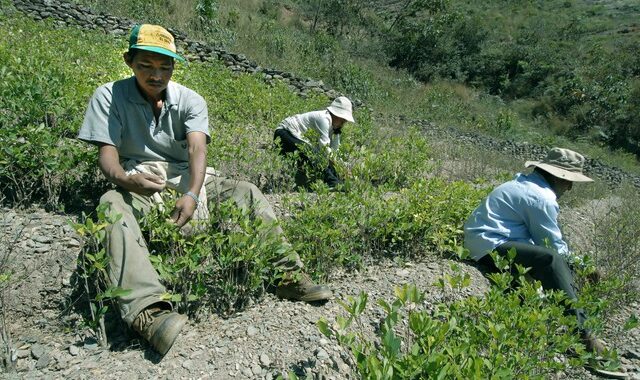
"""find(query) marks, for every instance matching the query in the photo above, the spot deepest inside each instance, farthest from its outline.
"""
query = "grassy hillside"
(541, 71)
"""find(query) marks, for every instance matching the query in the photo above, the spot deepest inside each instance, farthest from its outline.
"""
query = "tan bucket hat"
(341, 107)
(562, 163)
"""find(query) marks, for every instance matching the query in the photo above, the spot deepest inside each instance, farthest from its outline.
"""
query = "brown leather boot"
(303, 289)
(159, 327)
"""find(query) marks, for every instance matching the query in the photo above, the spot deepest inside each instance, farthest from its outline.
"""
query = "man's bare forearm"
(197, 160)
(109, 163)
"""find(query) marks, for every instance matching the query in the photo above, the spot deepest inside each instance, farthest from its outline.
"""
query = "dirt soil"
(270, 338)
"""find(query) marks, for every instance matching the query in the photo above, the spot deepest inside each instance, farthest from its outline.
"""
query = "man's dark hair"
(131, 53)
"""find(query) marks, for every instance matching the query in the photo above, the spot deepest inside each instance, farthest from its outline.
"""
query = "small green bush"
(333, 230)
(506, 334)
(223, 265)
(41, 111)
(93, 265)
(389, 158)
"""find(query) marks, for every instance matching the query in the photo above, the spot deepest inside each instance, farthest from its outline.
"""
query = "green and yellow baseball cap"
(153, 38)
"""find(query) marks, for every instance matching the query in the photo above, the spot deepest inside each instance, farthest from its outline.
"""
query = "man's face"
(560, 186)
(337, 122)
(153, 72)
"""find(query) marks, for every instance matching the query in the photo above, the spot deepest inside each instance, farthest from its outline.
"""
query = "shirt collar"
(538, 179)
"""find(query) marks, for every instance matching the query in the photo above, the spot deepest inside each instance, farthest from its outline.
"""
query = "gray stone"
(252, 331)
(73, 243)
(74, 350)
(265, 360)
(247, 372)
(42, 238)
(632, 354)
(43, 248)
(21, 354)
(37, 351)
(187, 364)
(313, 83)
(321, 354)
(43, 362)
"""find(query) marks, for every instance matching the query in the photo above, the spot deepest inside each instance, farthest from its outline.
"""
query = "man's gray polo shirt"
(119, 115)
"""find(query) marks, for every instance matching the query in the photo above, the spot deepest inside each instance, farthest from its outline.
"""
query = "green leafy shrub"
(508, 333)
(440, 44)
(224, 264)
(36, 165)
(93, 264)
(332, 230)
(40, 112)
(386, 157)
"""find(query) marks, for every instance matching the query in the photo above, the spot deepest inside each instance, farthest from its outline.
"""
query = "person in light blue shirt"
(522, 210)
(522, 214)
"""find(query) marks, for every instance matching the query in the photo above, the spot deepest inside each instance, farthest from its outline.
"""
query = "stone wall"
(67, 14)
(523, 150)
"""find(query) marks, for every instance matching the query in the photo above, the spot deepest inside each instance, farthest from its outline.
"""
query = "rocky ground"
(270, 338)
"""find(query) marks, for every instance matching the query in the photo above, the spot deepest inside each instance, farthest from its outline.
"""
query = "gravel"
(269, 339)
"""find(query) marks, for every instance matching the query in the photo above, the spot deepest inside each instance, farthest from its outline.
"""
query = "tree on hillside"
(336, 17)
(410, 8)
(432, 40)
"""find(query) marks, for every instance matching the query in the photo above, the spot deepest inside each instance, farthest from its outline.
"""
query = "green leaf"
(631, 322)
(323, 326)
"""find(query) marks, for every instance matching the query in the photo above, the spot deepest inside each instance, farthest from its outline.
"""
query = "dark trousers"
(547, 266)
(289, 144)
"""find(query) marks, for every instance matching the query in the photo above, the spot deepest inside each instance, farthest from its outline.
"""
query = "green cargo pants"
(130, 267)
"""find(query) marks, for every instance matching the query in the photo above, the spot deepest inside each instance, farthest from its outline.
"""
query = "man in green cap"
(152, 134)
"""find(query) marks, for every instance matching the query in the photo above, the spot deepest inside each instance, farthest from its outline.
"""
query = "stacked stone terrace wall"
(524, 151)
(68, 14)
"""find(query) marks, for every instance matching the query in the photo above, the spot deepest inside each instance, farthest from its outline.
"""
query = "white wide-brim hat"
(341, 107)
(562, 163)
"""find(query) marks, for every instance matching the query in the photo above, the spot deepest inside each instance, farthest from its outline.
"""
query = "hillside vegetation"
(541, 70)
(397, 205)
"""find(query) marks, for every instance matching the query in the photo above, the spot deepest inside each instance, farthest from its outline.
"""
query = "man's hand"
(141, 183)
(144, 184)
(183, 212)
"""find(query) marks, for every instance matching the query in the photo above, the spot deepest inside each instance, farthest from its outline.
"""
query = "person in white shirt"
(293, 134)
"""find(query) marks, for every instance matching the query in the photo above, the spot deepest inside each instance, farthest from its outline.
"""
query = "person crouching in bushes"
(522, 214)
(292, 135)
